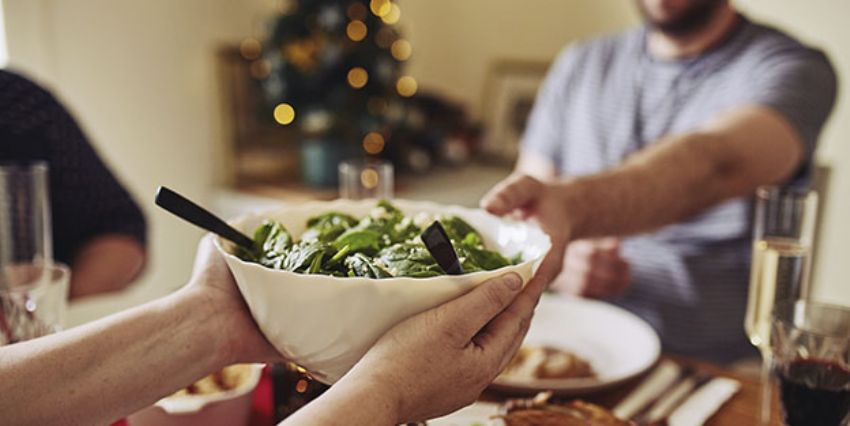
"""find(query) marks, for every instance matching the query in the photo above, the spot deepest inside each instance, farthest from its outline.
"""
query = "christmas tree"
(334, 71)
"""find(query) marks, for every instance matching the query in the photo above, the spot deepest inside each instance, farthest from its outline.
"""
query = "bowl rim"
(218, 241)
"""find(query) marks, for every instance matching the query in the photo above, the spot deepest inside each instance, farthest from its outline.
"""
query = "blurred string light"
(393, 15)
(356, 12)
(380, 8)
(356, 30)
(358, 77)
(373, 143)
(284, 114)
(401, 49)
(260, 69)
(250, 49)
(406, 86)
(369, 178)
(302, 53)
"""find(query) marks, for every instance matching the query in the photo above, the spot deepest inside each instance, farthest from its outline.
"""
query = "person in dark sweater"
(98, 230)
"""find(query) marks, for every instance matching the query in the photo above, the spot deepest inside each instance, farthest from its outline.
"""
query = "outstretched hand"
(544, 203)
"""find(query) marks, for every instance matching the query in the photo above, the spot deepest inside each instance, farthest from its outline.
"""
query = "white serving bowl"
(326, 324)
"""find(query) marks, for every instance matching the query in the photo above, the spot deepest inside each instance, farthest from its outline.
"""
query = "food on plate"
(545, 362)
(227, 379)
(383, 244)
(538, 411)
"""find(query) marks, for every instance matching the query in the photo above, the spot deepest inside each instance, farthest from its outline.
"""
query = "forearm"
(106, 263)
(352, 401)
(681, 175)
(99, 372)
(663, 184)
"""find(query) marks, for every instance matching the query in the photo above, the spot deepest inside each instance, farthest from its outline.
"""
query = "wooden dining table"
(740, 410)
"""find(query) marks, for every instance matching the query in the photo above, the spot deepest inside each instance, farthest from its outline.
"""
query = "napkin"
(703, 403)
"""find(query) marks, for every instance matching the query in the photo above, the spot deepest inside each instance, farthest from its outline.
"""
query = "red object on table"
(262, 407)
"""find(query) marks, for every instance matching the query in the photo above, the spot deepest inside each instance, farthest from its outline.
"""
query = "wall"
(824, 23)
(139, 76)
(454, 42)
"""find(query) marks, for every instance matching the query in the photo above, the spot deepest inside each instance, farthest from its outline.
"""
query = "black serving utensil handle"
(440, 247)
(187, 210)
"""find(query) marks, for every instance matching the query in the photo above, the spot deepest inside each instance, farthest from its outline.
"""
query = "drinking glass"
(33, 302)
(784, 227)
(33, 290)
(361, 179)
(811, 351)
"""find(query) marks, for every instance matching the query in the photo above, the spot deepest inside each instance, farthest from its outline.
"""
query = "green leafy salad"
(383, 244)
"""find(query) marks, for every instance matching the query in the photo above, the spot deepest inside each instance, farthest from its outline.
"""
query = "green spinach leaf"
(327, 227)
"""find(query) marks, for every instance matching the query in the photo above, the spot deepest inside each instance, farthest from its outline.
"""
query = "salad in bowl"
(325, 280)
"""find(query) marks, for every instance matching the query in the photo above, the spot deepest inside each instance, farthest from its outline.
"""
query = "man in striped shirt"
(643, 151)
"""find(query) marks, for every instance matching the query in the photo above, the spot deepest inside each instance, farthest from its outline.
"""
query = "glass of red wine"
(811, 354)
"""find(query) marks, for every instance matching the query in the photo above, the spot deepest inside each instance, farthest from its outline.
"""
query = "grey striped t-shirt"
(607, 98)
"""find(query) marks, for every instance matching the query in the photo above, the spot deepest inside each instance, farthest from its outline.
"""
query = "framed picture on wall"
(509, 93)
(257, 150)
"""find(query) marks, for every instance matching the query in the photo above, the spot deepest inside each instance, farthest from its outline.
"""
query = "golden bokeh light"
(356, 30)
(380, 7)
(261, 69)
(401, 49)
(250, 49)
(406, 86)
(393, 15)
(301, 386)
(358, 77)
(356, 12)
(369, 178)
(373, 143)
(284, 114)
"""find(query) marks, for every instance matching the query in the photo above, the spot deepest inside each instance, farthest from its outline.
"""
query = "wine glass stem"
(766, 388)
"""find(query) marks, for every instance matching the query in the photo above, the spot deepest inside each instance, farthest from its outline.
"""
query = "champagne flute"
(781, 263)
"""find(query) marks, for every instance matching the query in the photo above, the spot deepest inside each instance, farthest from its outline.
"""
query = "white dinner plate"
(618, 345)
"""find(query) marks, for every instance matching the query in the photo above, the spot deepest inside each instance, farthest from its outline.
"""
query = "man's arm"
(667, 182)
